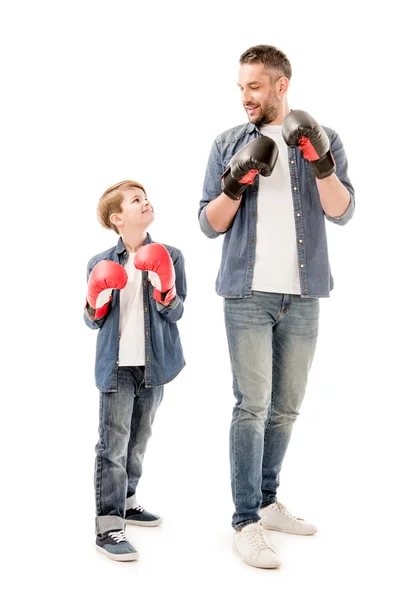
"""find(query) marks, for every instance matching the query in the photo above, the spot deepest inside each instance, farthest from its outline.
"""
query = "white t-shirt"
(131, 319)
(276, 263)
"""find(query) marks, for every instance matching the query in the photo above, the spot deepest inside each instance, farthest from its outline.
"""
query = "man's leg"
(249, 323)
(294, 342)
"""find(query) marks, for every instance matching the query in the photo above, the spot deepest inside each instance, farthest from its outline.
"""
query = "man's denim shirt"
(163, 351)
(235, 275)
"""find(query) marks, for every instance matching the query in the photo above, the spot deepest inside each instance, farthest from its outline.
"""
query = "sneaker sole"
(119, 557)
(143, 523)
(251, 564)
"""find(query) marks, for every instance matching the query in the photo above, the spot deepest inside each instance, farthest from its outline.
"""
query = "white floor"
(191, 557)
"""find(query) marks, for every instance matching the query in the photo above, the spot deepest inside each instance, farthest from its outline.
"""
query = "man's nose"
(246, 97)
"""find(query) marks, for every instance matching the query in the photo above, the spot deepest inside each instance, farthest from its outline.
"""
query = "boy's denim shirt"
(235, 275)
(163, 351)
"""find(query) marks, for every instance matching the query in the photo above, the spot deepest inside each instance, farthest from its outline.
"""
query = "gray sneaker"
(142, 517)
(115, 545)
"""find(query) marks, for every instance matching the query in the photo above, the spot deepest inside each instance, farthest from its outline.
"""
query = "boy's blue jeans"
(126, 417)
(272, 339)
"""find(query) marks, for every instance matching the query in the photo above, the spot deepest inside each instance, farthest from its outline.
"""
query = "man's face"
(136, 210)
(258, 93)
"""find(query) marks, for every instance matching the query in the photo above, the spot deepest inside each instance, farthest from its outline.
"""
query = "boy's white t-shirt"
(131, 319)
(276, 262)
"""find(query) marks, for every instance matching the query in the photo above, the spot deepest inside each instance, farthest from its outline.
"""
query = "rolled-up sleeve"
(341, 172)
(211, 190)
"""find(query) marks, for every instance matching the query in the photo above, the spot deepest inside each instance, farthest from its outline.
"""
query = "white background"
(96, 92)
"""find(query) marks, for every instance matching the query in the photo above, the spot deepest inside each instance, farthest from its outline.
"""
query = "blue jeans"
(272, 340)
(126, 417)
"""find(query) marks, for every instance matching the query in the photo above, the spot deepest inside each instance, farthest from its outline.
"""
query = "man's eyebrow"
(250, 83)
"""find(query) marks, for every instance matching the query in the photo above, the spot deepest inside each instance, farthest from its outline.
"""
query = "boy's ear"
(115, 219)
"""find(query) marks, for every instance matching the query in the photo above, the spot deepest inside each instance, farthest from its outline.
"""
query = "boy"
(135, 297)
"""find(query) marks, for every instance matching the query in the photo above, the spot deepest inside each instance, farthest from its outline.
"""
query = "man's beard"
(269, 110)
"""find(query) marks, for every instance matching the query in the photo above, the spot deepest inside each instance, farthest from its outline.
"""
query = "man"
(281, 175)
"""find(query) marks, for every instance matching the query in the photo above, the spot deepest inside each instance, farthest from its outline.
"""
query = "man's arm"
(258, 156)
(221, 211)
(217, 210)
(336, 191)
(335, 198)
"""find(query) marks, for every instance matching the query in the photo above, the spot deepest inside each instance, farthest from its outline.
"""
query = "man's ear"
(282, 85)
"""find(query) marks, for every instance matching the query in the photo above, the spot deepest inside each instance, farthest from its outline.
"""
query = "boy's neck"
(133, 240)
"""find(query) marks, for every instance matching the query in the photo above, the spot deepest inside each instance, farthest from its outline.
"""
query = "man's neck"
(283, 112)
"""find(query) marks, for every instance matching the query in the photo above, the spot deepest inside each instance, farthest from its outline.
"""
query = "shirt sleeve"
(341, 172)
(211, 190)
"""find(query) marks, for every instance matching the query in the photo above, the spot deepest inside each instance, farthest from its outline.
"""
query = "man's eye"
(255, 87)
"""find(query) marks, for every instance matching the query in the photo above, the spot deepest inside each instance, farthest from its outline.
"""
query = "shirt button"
(292, 162)
(252, 240)
(301, 241)
(250, 265)
(147, 333)
(148, 357)
(302, 266)
(116, 362)
(298, 214)
(295, 188)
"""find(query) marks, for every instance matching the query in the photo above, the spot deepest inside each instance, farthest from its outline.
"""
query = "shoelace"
(258, 538)
(139, 508)
(118, 536)
(285, 511)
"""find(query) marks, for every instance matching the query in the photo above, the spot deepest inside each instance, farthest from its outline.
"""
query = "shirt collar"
(120, 248)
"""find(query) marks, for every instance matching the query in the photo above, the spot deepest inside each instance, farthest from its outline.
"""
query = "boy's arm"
(102, 278)
(174, 311)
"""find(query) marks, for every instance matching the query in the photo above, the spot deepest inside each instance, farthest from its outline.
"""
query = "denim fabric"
(126, 417)
(272, 340)
(163, 351)
(236, 271)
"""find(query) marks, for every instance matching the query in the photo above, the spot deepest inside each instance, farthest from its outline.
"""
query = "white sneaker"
(280, 519)
(252, 545)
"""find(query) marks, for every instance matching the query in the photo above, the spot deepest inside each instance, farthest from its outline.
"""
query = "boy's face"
(136, 210)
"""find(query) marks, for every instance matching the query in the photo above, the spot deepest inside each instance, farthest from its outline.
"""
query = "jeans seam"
(99, 472)
(233, 425)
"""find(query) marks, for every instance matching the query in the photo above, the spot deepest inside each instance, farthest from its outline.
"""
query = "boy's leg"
(145, 407)
(111, 452)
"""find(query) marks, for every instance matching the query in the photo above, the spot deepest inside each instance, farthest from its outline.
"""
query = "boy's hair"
(272, 58)
(111, 201)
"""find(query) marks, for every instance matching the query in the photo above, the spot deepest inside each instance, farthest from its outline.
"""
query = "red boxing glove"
(155, 258)
(107, 274)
